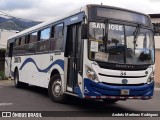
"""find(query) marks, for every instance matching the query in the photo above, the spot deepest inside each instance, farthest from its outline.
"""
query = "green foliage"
(2, 75)
(2, 50)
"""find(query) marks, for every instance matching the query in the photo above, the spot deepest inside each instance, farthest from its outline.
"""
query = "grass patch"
(2, 75)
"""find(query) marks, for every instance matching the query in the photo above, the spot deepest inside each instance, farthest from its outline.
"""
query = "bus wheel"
(110, 101)
(55, 89)
(17, 83)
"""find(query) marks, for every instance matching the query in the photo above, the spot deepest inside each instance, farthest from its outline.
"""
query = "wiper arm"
(136, 33)
(106, 22)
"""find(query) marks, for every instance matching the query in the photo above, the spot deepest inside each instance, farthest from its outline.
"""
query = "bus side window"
(18, 48)
(27, 39)
(10, 49)
(57, 37)
(31, 46)
(21, 47)
(43, 43)
(17, 42)
(23, 39)
(33, 37)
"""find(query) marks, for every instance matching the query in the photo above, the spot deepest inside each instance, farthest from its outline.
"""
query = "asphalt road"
(35, 98)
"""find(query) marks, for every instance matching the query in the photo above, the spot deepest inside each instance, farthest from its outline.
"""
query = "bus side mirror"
(84, 31)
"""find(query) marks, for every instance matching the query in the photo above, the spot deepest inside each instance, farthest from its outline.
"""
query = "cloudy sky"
(43, 10)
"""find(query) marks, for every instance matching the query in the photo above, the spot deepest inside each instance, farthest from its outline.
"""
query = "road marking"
(6, 82)
(5, 104)
(1, 87)
(157, 89)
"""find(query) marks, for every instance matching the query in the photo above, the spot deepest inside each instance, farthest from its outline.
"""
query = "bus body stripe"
(58, 62)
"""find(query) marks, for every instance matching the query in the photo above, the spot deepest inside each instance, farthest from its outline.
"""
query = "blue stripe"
(101, 89)
(77, 90)
(58, 62)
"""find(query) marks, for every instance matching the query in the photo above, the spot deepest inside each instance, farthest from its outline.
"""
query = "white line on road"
(5, 104)
(1, 87)
(157, 89)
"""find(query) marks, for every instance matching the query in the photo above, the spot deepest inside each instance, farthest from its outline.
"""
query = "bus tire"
(55, 89)
(17, 83)
(110, 101)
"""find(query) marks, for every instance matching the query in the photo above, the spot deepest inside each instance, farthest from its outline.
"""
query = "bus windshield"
(121, 44)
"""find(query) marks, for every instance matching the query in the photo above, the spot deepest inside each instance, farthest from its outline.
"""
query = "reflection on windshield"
(143, 48)
(121, 45)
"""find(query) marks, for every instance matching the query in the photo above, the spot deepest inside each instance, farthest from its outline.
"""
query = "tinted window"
(45, 34)
(57, 37)
(19, 46)
(58, 30)
(17, 42)
(20, 50)
(43, 44)
(23, 39)
(33, 37)
(31, 47)
(27, 39)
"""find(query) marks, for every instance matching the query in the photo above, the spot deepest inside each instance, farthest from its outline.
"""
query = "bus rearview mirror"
(84, 31)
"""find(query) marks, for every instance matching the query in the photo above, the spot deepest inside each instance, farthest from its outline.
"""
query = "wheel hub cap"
(57, 89)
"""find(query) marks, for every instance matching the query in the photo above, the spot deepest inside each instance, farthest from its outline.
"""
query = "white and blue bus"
(95, 52)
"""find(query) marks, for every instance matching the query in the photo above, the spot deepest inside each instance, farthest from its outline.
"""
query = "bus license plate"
(124, 92)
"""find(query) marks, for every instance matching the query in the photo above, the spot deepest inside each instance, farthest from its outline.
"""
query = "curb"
(6, 81)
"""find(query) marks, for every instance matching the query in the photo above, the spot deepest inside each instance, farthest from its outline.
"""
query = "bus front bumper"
(104, 91)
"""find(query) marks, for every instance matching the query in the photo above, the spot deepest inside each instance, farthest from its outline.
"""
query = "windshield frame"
(108, 21)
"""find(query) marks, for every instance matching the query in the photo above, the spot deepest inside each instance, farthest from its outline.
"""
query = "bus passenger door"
(73, 45)
(8, 60)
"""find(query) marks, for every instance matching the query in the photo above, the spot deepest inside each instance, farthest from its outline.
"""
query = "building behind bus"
(156, 24)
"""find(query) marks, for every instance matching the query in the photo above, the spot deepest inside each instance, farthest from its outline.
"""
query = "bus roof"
(113, 7)
(41, 25)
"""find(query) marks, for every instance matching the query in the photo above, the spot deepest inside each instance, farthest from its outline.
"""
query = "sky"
(43, 10)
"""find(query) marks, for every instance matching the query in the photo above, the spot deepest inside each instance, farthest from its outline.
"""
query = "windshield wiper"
(136, 33)
(106, 22)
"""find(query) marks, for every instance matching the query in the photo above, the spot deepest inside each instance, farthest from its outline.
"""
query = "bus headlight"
(151, 78)
(90, 73)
